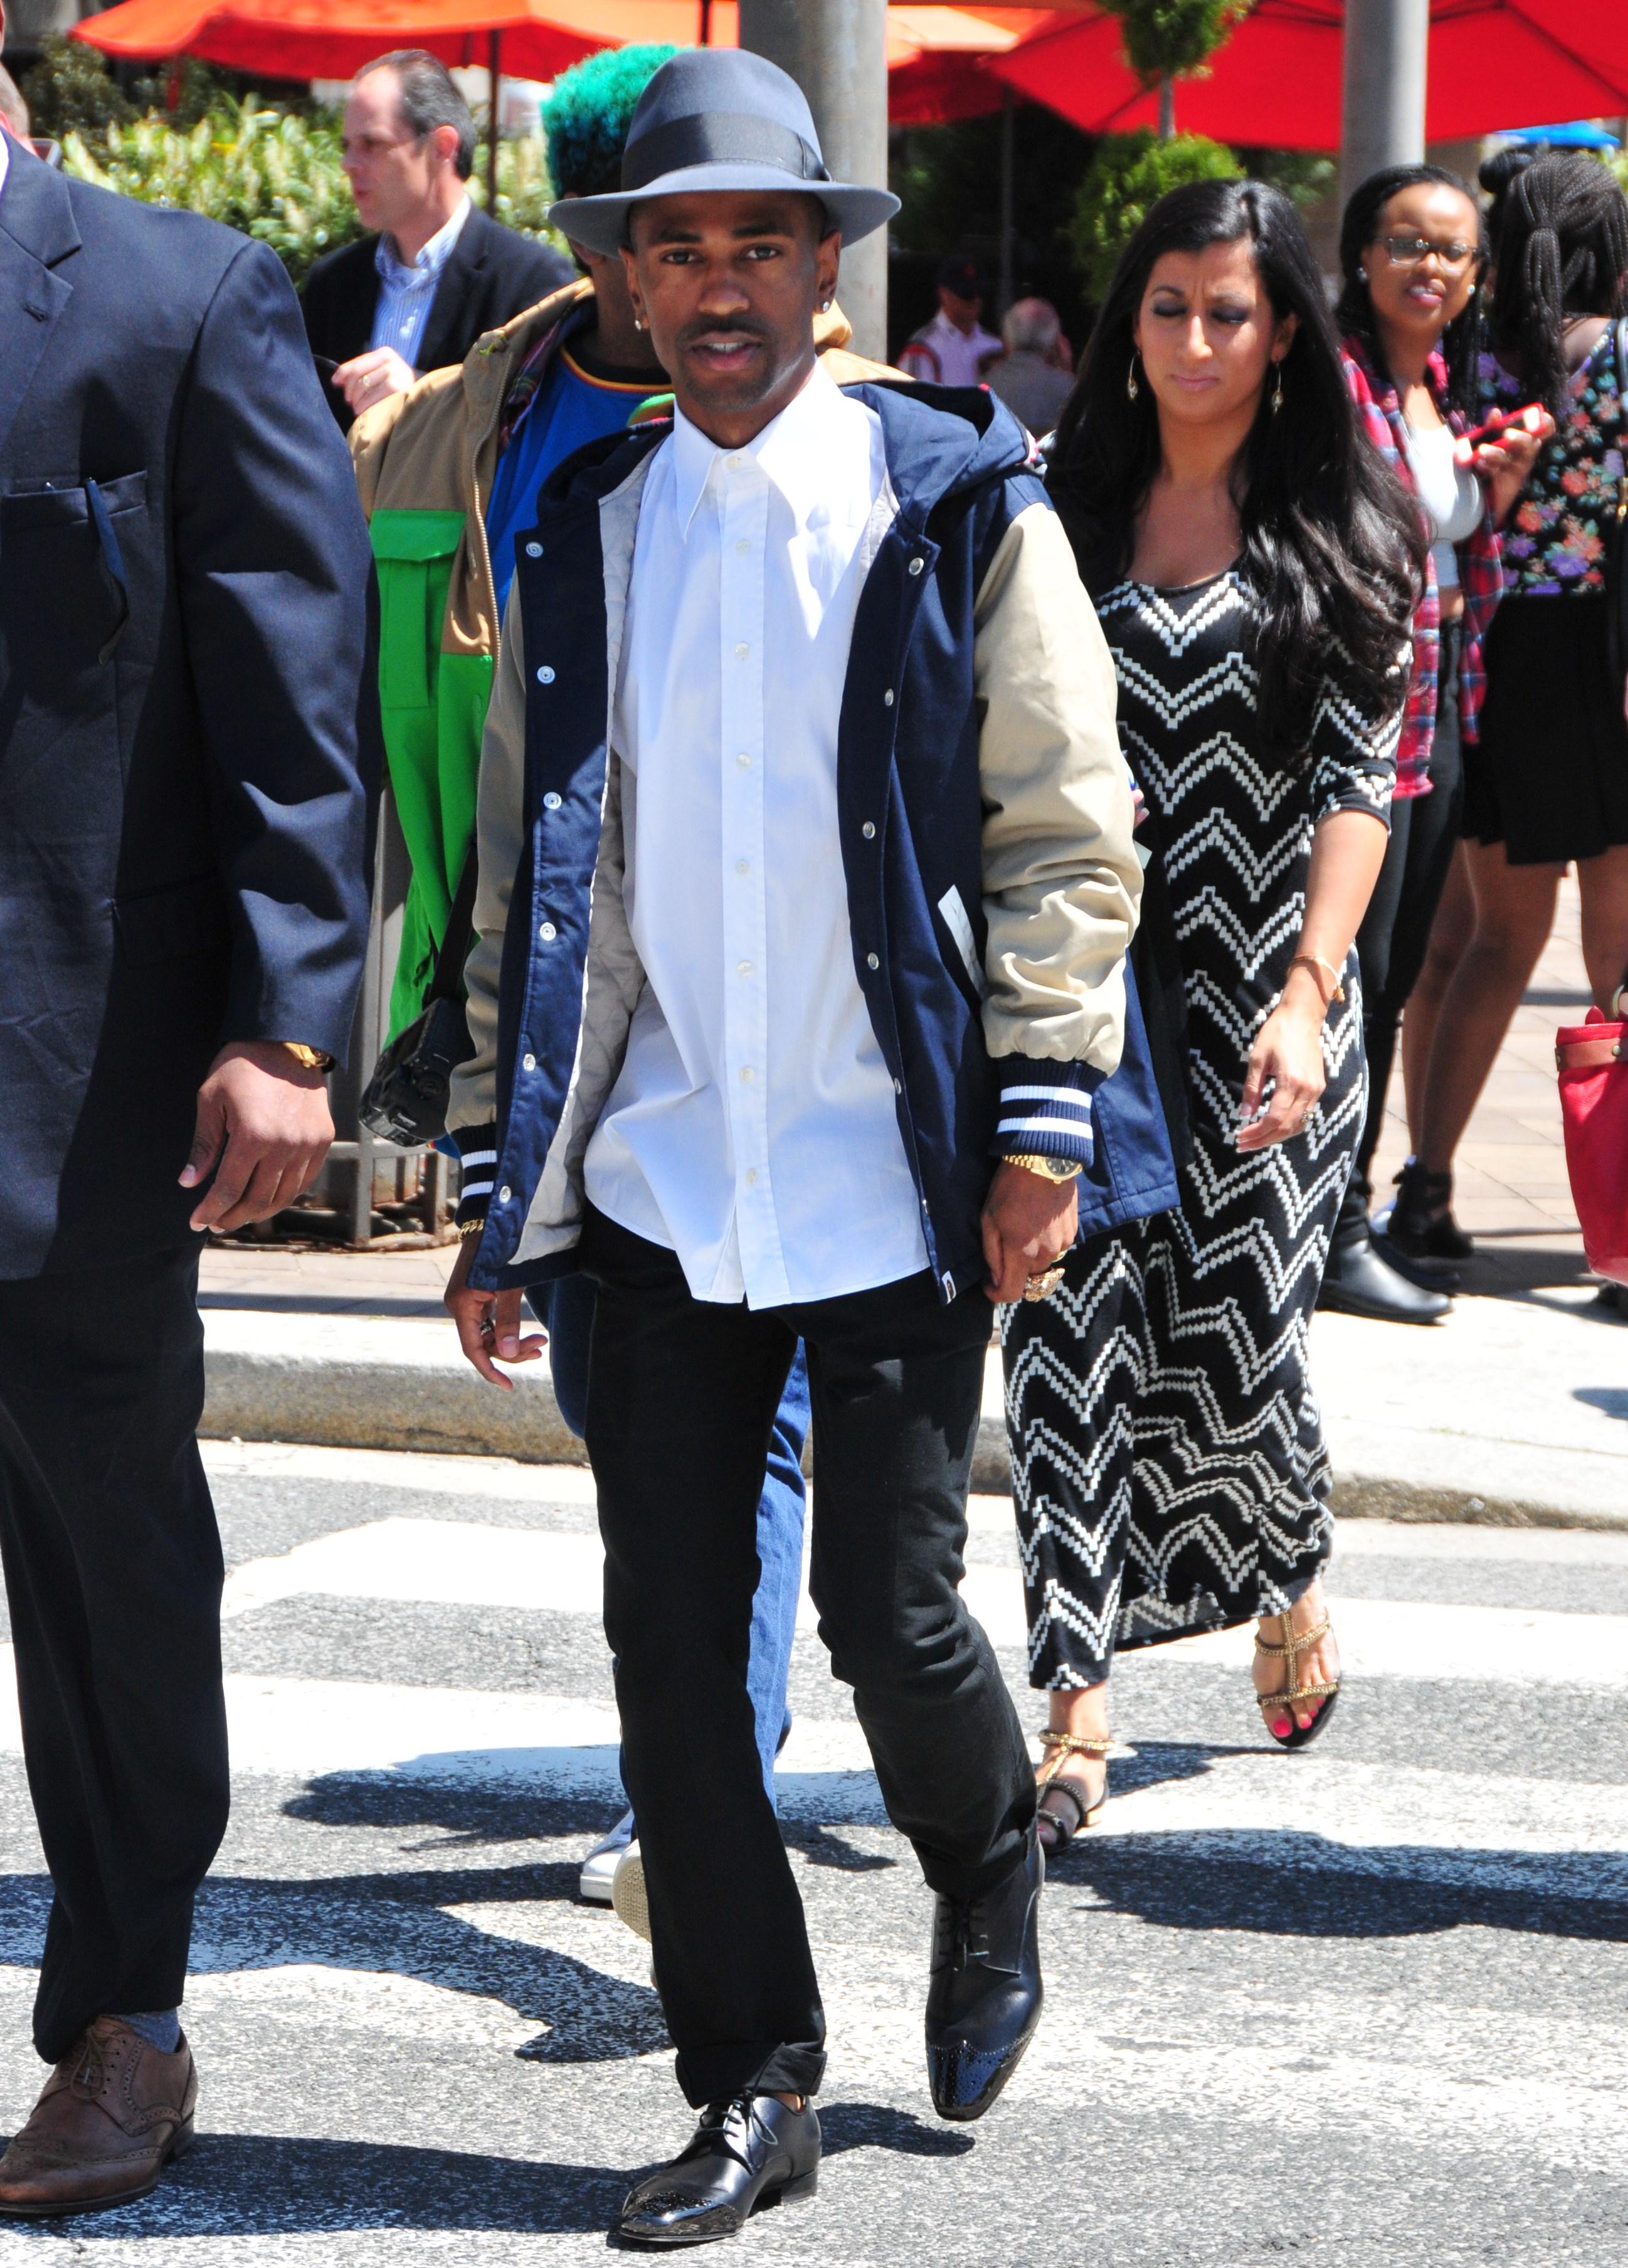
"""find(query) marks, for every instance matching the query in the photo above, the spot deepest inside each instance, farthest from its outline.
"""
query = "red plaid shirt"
(1480, 572)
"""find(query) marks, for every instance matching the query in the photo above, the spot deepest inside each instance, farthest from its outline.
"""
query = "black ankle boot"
(1420, 1227)
(1359, 1281)
(983, 1994)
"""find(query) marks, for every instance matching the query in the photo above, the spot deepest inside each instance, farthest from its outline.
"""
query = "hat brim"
(601, 223)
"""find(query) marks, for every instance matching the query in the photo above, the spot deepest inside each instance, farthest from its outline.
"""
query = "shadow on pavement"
(1300, 1885)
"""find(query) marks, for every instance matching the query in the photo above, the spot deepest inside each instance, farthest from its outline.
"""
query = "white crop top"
(1450, 494)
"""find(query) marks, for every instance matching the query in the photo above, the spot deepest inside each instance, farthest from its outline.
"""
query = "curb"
(333, 1400)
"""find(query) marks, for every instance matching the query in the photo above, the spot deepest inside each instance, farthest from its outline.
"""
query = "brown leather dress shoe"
(112, 2114)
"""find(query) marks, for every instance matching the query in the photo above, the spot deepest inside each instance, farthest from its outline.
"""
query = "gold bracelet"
(308, 1058)
(468, 1228)
(1314, 962)
(1049, 1169)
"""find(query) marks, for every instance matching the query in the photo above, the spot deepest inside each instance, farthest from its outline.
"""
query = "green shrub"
(70, 91)
(273, 174)
(1128, 175)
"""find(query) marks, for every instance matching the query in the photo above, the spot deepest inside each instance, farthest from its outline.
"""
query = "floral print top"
(1555, 539)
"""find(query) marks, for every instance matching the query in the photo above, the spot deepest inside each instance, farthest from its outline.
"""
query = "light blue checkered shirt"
(405, 294)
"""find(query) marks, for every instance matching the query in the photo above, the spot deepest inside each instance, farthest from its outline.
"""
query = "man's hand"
(263, 1129)
(371, 377)
(489, 1322)
(1029, 1222)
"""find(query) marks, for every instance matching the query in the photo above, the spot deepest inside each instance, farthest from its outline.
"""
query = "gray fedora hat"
(719, 118)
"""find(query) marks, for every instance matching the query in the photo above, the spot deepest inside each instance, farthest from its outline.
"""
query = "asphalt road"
(1364, 2006)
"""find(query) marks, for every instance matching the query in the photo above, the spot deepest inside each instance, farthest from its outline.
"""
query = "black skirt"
(1549, 777)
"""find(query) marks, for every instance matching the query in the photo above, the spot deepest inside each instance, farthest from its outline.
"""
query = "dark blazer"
(494, 274)
(188, 722)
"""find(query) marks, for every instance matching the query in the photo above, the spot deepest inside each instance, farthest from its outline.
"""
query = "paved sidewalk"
(1514, 1410)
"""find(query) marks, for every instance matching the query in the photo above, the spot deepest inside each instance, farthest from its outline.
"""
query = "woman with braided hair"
(1546, 785)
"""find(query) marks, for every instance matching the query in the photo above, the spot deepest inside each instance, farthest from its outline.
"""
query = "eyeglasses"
(1411, 250)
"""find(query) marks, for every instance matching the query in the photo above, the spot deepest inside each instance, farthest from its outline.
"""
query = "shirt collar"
(5, 153)
(789, 450)
(432, 257)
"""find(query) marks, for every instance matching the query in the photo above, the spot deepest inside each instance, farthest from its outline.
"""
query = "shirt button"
(743, 865)
(743, 968)
(917, 565)
(871, 962)
(748, 1074)
(534, 551)
(741, 650)
(742, 547)
(545, 677)
(530, 1062)
(887, 698)
(869, 830)
(751, 1173)
(504, 1193)
(550, 802)
(548, 932)
(744, 760)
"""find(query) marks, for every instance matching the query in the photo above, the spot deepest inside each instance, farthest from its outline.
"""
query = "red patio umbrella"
(1275, 83)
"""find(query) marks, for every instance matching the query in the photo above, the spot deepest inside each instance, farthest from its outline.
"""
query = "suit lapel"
(36, 231)
(457, 281)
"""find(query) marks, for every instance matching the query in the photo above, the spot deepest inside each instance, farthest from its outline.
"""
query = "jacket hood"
(940, 441)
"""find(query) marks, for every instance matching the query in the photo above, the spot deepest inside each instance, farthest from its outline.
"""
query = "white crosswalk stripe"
(1329, 2001)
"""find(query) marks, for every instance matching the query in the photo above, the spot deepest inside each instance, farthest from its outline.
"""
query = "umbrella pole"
(707, 23)
(493, 72)
(1007, 173)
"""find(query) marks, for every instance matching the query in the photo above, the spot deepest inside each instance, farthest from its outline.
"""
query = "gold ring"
(1043, 1285)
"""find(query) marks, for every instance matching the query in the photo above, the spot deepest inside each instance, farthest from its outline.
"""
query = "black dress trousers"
(113, 1573)
(681, 1397)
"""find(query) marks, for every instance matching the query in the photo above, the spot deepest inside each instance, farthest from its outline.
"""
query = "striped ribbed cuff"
(1045, 1109)
(477, 1154)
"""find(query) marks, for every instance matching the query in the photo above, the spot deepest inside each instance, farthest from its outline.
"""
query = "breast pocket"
(68, 552)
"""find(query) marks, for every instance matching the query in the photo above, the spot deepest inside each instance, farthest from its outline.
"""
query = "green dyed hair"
(587, 116)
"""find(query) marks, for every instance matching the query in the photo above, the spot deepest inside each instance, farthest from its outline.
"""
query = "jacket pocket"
(172, 924)
(45, 502)
(414, 552)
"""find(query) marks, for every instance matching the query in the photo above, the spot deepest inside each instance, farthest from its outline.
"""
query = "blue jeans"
(565, 1310)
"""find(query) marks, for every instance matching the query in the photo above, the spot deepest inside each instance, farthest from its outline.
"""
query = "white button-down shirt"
(407, 292)
(753, 1130)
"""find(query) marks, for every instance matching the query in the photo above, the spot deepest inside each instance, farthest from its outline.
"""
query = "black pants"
(1394, 935)
(681, 1396)
(113, 1573)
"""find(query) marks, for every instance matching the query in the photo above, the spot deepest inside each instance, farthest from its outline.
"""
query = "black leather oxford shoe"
(744, 2155)
(984, 1991)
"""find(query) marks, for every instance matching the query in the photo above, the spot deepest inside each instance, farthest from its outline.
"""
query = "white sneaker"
(599, 1866)
(627, 1892)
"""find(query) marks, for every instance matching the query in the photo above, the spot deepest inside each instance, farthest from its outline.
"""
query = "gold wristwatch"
(308, 1058)
(1049, 1169)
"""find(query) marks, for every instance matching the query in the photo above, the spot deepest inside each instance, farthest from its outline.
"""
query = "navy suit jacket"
(493, 275)
(188, 720)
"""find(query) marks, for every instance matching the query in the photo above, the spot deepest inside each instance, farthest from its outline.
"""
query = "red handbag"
(1593, 1062)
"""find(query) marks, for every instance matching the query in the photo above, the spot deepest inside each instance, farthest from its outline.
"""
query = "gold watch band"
(1049, 1169)
(308, 1058)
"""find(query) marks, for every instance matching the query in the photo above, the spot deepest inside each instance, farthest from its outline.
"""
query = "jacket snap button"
(531, 1063)
(871, 962)
(898, 1086)
(545, 675)
(887, 698)
(550, 802)
(869, 830)
(504, 1193)
(534, 551)
(917, 565)
(548, 932)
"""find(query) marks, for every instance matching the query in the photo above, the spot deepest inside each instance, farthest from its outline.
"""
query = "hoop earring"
(1131, 388)
(1277, 391)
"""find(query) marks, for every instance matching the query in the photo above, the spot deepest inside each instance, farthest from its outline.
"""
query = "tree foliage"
(1172, 39)
(1129, 174)
(70, 90)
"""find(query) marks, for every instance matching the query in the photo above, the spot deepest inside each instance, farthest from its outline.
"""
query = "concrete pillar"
(1386, 45)
(837, 50)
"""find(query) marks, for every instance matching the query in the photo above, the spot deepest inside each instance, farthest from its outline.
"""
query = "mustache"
(731, 327)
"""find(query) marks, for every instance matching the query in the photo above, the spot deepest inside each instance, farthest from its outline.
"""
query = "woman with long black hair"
(1255, 565)
(1412, 255)
(1547, 782)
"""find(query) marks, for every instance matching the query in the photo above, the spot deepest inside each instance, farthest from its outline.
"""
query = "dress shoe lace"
(728, 2127)
(960, 1940)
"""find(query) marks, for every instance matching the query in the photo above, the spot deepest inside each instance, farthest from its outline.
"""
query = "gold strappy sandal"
(1298, 1642)
(1054, 1832)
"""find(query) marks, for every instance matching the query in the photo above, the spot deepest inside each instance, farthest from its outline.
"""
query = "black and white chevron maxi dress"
(1169, 1462)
